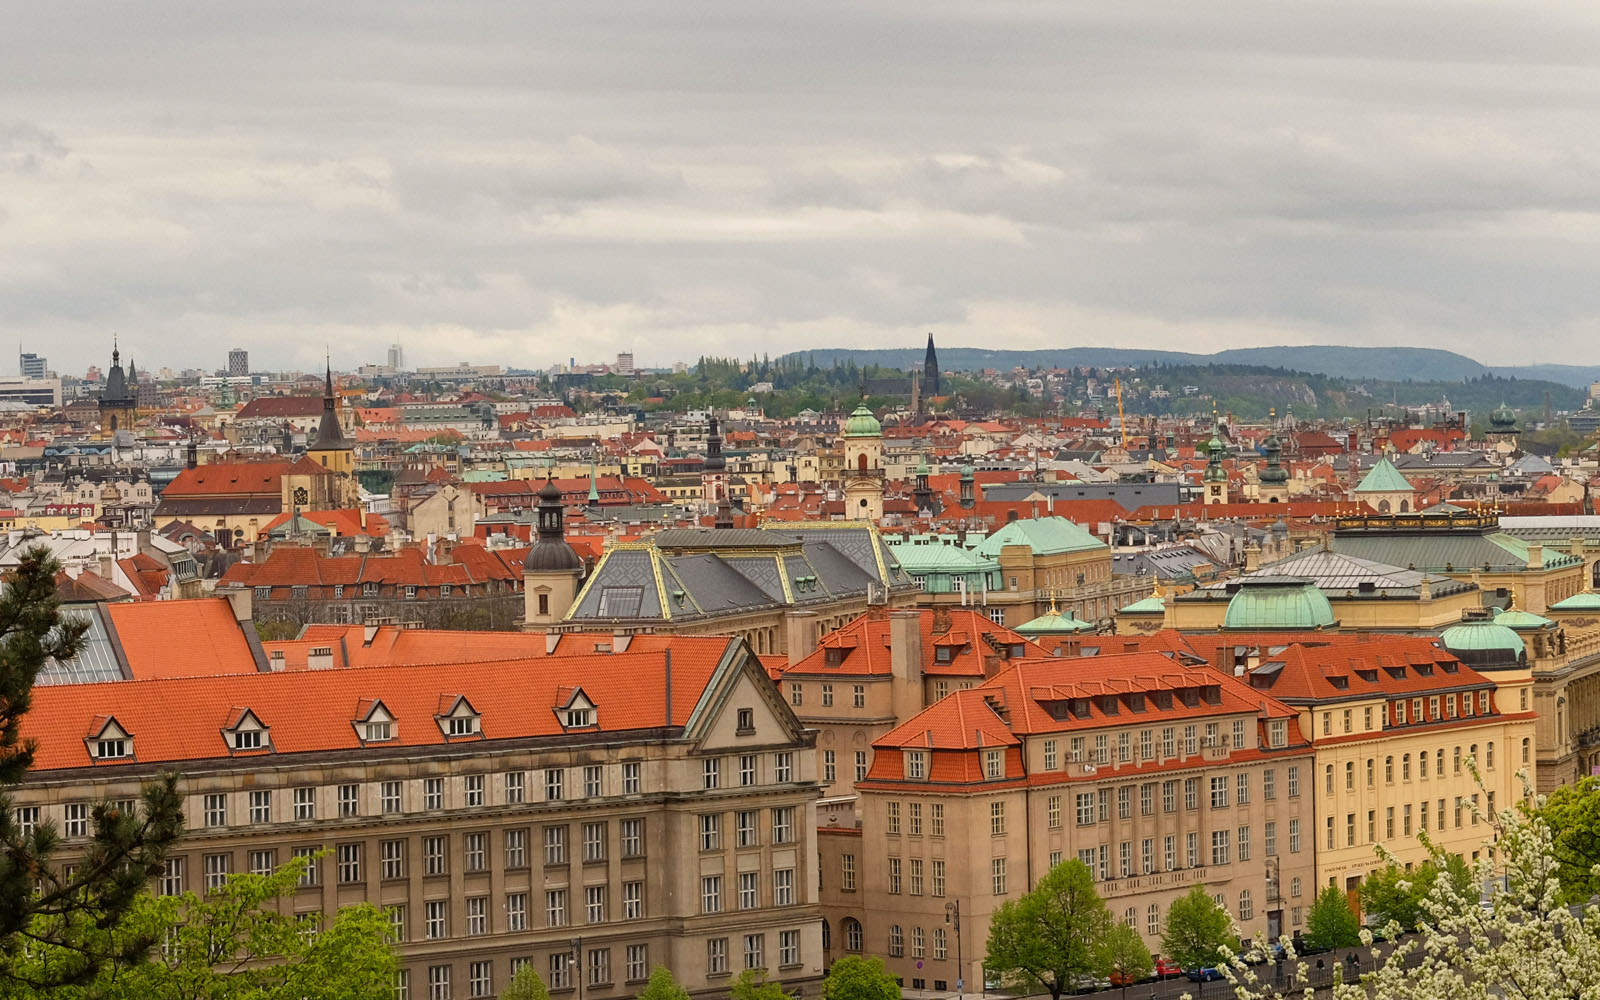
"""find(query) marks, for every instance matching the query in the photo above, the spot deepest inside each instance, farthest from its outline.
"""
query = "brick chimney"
(941, 620)
(905, 663)
(800, 635)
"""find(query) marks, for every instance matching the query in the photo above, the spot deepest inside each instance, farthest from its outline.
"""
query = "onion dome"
(862, 423)
(551, 553)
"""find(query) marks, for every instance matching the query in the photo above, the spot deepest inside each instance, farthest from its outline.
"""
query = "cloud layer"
(528, 181)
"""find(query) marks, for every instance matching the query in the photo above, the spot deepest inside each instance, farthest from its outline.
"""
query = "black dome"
(552, 555)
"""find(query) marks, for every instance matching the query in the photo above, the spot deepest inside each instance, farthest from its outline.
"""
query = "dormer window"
(245, 732)
(113, 749)
(377, 732)
(834, 656)
(575, 710)
(916, 764)
(944, 654)
(458, 719)
(374, 723)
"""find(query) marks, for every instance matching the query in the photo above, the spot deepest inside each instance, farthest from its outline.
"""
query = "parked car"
(1091, 984)
(1166, 968)
(1204, 974)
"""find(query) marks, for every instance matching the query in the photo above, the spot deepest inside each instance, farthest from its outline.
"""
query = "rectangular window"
(632, 838)
(305, 803)
(397, 920)
(77, 824)
(1085, 810)
(997, 819)
(434, 860)
(555, 908)
(937, 877)
(1169, 796)
(914, 816)
(1125, 802)
(480, 975)
(1191, 793)
(436, 917)
(560, 977)
(594, 904)
(593, 781)
(1294, 781)
(477, 915)
(349, 800)
(555, 845)
(783, 825)
(788, 949)
(393, 860)
(474, 851)
(1294, 836)
(745, 824)
(1242, 788)
(432, 793)
(1219, 793)
(638, 961)
(516, 848)
(474, 791)
(755, 951)
(936, 819)
(594, 842)
(554, 784)
(847, 872)
(1051, 755)
(997, 876)
(894, 876)
(1191, 850)
(1169, 852)
(263, 862)
(216, 809)
(716, 956)
(711, 832)
(310, 874)
(632, 777)
(1053, 812)
(1243, 845)
(389, 797)
(633, 900)
(916, 876)
(711, 894)
(783, 767)
(1219, 847)
(349, 863)
(711, 773)
(1269, 839)
(218, 867)
(749, 890)
(516, 911)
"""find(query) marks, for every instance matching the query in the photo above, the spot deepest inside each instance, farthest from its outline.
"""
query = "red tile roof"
(192, 638)
(239, 478)
(343, 523)
(178, 719)
(864, 646)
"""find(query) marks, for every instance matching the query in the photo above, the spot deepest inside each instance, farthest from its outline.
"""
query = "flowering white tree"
(1522, 943)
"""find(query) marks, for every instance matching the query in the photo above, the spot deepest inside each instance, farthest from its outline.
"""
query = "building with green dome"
(861, 438)
(1277, 603)
(1484, 644)
(1503, 430)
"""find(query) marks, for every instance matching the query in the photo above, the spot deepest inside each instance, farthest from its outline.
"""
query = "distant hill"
(1390, 364)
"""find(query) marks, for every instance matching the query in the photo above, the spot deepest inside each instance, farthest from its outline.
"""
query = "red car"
(1166, 968)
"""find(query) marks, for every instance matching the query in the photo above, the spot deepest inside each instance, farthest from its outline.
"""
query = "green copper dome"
(1278, 603)
(1151, 605)
(1521, 621)
(862, 423)
(1587, 601)
(1484, 644)
(1503, 417)
(1053, 622)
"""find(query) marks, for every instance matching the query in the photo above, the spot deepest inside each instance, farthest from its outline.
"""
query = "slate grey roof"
(1166, 564)
(1454, 550)
(1335, 572)
(1131, 496)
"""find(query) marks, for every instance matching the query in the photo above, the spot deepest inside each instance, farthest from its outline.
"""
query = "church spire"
(930, 370)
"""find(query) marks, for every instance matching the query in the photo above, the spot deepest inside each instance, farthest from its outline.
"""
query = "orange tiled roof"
(198, 637)
(178, 719)
(861, 647)
(239, 478)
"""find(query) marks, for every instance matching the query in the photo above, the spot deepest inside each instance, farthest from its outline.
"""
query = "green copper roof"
(1053, 622)
(1044, 535)
(1521, 620)
(1482, 642)
(1384, 478)
(1586, 601)
(1151, 605)
(862, 423)
(1278, 603)
(1503, 417)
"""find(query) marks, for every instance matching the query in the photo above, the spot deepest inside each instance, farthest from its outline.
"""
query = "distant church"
(119, 400)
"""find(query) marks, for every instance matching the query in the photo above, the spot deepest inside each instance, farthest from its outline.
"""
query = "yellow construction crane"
(1122, 422)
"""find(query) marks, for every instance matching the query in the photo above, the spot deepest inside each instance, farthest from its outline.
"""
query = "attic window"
(378, 731)
(1018, 649)
(462, 725)
(579, 718)
(746, 722)
(457, 718)
(944, 654)
(113, 749)
(247, 733)
(834, 656)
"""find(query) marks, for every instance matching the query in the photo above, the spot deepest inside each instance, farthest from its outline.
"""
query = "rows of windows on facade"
(552, 845)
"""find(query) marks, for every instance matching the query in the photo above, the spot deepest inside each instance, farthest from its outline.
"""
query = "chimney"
(941, 620)
(107, 567)
(275, 662)
(1577, 545)
(800, 635)
(1426, 590)
(1535, 555)
(1252, 557)
(240, 600)
(193, 455)
(320, 658)
(905, 663)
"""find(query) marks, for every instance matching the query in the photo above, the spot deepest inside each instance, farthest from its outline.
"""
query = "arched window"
(941, 944)
(919, 946)
(1131, 916)
(1247, 906)
(1383, 506)
(827, 936)
(897, 941)
(861, 461)
(1524, 750)
(1152, 920)
(853, 937)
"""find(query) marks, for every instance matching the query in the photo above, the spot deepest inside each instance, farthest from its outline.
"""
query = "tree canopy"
(855, 977)
(753, 984)
(1331, 923)
(662, 986)
(1396, 894)
(526, 985)
(57, 911)
(1197, 930)
(1572, 813)
(1047, 939)
(1122, 957)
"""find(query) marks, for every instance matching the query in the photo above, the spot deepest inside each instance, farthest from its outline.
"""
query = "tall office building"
(33, 366)
(625, 363)
(238, 361)
(397, 357)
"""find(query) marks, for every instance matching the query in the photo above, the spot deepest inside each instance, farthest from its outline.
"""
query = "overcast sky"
(520, 182)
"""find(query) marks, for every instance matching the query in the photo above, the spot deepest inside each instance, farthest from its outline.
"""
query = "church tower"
(119, 402)
(930, 371)
(1215, 477)
(332, 450)
(714, 477)
(863, 466)
(552, 569)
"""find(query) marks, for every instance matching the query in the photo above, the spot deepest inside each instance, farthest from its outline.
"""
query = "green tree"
(526, 985)
(1331, 923)
(753, 984)
(1047, 938)
(1395, 894)
(235, 944)
(854, 977)
(1572, 813)
(661, 986)
(1122, 956)
(56, 913)
(1196, 931)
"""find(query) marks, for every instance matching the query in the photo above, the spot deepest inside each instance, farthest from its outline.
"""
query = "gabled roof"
(861, 647)
(1384, 478)
(1044, 535)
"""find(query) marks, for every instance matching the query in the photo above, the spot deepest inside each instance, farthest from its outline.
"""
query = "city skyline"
(503, 185)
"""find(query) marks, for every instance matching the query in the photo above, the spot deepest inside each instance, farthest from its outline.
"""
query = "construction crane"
(1122, 422)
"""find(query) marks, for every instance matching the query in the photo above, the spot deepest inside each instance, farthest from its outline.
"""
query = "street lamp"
(577, 962)
(952, 916)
